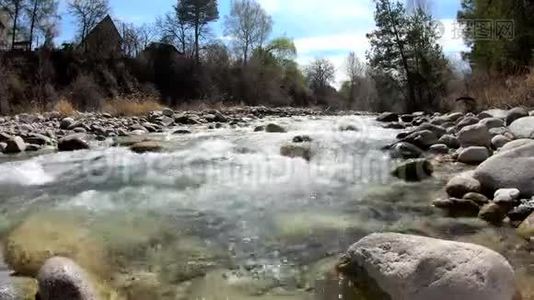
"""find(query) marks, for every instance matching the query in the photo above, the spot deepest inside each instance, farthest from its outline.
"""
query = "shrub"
(85, 94)
(131, 107)
(65, 108)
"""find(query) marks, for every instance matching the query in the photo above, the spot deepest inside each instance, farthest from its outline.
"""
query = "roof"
(158, 46)
(107, 21)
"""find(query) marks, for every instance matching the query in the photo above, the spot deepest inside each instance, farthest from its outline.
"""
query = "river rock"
(462, 184)
(439, 149)
(512, 167)
(167, 112)
(17, 288)
(146, 146)
(61, 278)
(439, 131)
(414, 170)
(494, 113)
(474, 135)
(450, 140)
(66, 123)
(274, 128)
(506, 197)
(477, 198)
(499, 141)
(302, 139)
(38, 139)
(388, 117)
(467, 121)
(526, 229)
(302, 150)
(423, 139)
(401, 267)
(15, 145)
(515, 114)
(492, 122)
(521, 212)
(523, 128)
(458, 207)
(406, 151)
(473, 155)
(73, 142)
(3, 146)
(492, 213)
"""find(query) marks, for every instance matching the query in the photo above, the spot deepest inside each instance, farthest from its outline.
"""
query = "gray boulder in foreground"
(512, 167)
(401, 267)
(61, 278)
(523, 128)
(474, 135)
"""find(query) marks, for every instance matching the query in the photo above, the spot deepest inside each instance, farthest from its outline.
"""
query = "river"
(222, 215)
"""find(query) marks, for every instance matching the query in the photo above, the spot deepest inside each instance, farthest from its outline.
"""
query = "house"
(104, 40)
(4, 29)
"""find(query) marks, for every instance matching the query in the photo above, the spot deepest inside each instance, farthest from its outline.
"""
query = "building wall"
(104, 39)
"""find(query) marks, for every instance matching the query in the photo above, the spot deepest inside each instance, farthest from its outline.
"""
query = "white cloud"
(320, 8)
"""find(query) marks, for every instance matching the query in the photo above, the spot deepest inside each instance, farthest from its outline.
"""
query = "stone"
(462, 184)
(492, 213)
(4, 137)
(17, 288)
(473, 155)
(274, 128)
(495, 113)
(66, 123)
(296, 150)
(467, 121)
(477, 198)
(439, 149)
(145, 147)
(61, 278)
(506, 197)
(388, 117)
(401, 267)
(515, 114)
(73, 142)
(182, 131)
(492, 122)
(521, 212)
(167, 112)
(38, 139)
(423, 139)
(499, 141)
(523, 128)
(406, 151)
(32, 147)
(474, 135)
(3, 146)
(457, 207)
(414, 170)
(302, 139)
(437, 130)
(15, 145)
(450, 140)
(526, 229)
(512, 167)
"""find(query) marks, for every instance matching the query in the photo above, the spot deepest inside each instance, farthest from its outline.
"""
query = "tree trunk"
(15, 24)
(32, 26)
(197, 37)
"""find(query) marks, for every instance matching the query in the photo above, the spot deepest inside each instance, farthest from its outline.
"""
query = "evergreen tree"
(198, 14)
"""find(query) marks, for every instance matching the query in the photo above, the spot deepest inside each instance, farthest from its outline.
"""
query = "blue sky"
(329, 30)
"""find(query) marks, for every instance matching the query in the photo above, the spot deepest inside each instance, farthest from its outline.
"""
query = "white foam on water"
(26, 173)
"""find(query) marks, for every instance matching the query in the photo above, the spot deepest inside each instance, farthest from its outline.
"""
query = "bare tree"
(249, 26)
(175, 31)
(320, 73)
(42, 15)
(88, 13)
(146, 34)
(15, 9)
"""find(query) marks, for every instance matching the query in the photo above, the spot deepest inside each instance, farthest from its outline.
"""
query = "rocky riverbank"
(496, 144)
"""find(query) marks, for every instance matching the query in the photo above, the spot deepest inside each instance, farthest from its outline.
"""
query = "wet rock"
(523, 128)
(38, 139)
(296, 150)
(462, 184)
(521, 212)
(146, 146)
(406, 151)
(437, 130)
(396, 266)
(492, 213)
(182, 131)
(3, 146)
(423, 139)
(515, 114)
(474, 135)
(449, 140)
(473, 155)
(414, 170)
(499, 141)
(467, 121)
(188, 119)
(407, 118)
(274, 128)
(17, 288)
(513, 167)
(492, 123)
(526, 229)
(439, 149)
(73, 142)
(66, 123)
(506, 197)
(259, 128)
(458, 207)
(15, 145)
(167, 112)
(479, 199)
(394, 125)
(4, 137)
(32, 147)
(61, 278)
(388, 117)
(302, 139)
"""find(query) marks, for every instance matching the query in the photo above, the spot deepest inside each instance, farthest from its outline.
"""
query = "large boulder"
(61, 278)
(274, 128)
(388, 117)
(462, 184)
(406, 151)
(526, 229)
(515, 114)
(450, 140)
(423, 139)
(414, 170)
(302, 150)
(523, 128)
(512, 167)
(474, 135)
(15, 145)
(473, 155)
(492, 122)
(73, 142)
(398, 267)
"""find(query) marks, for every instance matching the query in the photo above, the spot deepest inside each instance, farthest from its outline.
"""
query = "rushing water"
(222, 202)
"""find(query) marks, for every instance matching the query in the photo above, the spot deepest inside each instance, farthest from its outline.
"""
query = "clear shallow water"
(222, 202)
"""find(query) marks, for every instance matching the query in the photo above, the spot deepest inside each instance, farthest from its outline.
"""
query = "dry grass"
(65, 108)
(131, 107)
(200, 105)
